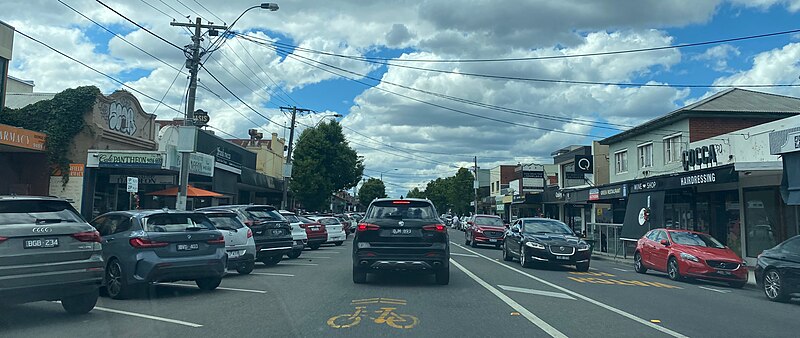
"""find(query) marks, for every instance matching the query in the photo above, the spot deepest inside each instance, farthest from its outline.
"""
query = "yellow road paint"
(595, 274)
(655, 321)
(609, 281)
(386, 315)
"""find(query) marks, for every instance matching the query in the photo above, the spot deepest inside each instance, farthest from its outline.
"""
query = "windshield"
(489, 221)
(265, 214)
(695, 239)
(226, 222)
(176, 223)
(545, 227)
(37, 212)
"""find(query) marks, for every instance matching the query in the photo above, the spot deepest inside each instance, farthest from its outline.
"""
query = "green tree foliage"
(461, 191)
(323, 163)
(61, 118)
(415, 193)
(436, 191)
(371, 189)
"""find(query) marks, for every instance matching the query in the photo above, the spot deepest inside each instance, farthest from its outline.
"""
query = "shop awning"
(790, 187)
(190, 192)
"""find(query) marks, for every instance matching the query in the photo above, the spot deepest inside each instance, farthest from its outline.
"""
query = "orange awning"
(190, 192)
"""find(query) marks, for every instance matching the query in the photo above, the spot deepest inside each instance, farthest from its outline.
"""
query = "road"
(314, 296)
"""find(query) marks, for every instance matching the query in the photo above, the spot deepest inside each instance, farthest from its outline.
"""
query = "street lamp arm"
(266, 5)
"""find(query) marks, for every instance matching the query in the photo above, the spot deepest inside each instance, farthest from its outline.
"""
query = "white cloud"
(717, 57)
(791, 5)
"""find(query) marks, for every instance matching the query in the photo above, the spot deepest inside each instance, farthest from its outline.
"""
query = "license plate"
(277, 232)
(401, 231)
(40, 243)
(233, 254)
(563, 258)
(492, 240)
(188, 247)
(314, 228)
(726, 273)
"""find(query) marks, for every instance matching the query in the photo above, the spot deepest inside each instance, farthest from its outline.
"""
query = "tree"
(415, 193)
(436, 192)
(461, 191)
(323, 164)
(371, 189)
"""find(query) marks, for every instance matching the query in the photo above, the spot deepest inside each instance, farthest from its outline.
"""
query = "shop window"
(621, 161)
(672, 149)
(762, 224)
(645, 155)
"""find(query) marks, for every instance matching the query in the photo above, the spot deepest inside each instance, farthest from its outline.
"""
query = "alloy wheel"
(114, 279)
(772, 284)
(672, 270)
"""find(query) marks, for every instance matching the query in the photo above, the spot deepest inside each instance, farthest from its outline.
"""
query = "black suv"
(271, 231)
(401, 235)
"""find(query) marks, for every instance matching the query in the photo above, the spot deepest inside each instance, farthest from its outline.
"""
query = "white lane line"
(271, 274)
(593, 269)
(134, 314)
(715, 290)
(314, 257)
(536, 292)
(578, 295)
(323, 251)
(514, 305)
(463, 255)
(297, 264)
(623, 270)
(218, 288)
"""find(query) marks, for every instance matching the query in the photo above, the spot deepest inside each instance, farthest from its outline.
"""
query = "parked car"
(334, 228)
(239, 241)
(485, 229)
(401, 235)
(271, 232)
(48, 252)
(298, 234)
(149, 246)
(778, 270)
(347, 223)
(544, 240)
(316, 232)
(689, 254)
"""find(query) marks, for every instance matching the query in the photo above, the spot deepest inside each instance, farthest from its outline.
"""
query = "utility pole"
(193, 65)
(287, 170)
(477, 185)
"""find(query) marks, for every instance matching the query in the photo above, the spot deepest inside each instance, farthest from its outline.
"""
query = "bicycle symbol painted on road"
(386, 315)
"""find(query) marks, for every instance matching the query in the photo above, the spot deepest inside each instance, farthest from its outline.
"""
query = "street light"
(383, 172)
(337, 115)
(265, 5)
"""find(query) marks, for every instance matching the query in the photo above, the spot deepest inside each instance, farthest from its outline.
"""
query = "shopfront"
(23, 163)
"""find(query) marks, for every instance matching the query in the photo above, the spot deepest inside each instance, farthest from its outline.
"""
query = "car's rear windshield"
(329, 221)
(41, 212)
(226, 222)
(694, 239)
(292, 218)
(264, 214)
(176, 223)
(402, 209)
(305, 220)
(490, 221)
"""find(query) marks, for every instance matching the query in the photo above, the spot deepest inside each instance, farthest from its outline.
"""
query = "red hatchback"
(485, 229)
(316, 232)
(688, 254)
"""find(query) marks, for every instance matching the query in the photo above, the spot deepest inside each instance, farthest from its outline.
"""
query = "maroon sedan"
(689, 254)
(485, 229)
(316, 232)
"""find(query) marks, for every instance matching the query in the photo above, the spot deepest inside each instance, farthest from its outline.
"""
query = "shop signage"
(22, 138)
(574, 176)
(500, 207)
(642, 186)
(201, 117)
(698, 179)
(125, 159)
(228, 160)
(533, 174)
(696, 157)
(594, 194)
(143, 179)
(518, 199)
(199, 164)
(584, 164)
(614, 192)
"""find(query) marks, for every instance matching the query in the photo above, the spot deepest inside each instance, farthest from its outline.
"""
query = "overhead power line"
(209, 12)
(237, 97)
(140, 26)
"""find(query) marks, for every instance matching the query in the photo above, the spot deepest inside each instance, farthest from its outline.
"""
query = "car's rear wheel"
(673, 271)
(773, 286)
(314, 246)
(116, 284)
(359, 277)
(506, 256)
(80, 304)
(294, 254)
(523, 259)
(246, 268)
(338, 243)
(443, 276)
(208, 284)
(271, 260)
(582, 267)
(638, 265)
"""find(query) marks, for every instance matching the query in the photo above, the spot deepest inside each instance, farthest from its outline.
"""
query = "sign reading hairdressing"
(125, 159)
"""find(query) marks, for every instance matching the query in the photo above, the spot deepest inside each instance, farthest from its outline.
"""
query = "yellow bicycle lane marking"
(386, 315)
(592, 278)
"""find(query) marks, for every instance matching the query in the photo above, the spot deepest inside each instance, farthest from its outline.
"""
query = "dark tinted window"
(402, 209)
(176, 223)
(545, 227)
(115, 224)
(292, 218)
(264, 214)
(491, 221)
(305, 220)
(693, 239)
(37, 211)
(792, 245)
(229, 222)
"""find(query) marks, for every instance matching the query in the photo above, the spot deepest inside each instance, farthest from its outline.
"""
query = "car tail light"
(218, 240)
(367, 227)
(143, 243)
(401, 202)
(3, 239)
(88, 236)
(434, 227)
(249, 233)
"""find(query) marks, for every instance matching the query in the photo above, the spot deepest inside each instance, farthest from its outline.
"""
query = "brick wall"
(701, 128)
(507, 174)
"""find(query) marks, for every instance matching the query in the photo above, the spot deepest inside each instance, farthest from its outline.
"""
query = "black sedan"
(778, 270)
(543, 240)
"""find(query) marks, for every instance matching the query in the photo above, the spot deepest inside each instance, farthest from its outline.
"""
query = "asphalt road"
(314, 296)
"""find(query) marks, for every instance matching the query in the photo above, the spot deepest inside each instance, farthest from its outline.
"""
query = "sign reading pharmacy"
(125, 159)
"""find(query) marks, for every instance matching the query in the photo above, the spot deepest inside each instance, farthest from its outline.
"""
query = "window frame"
(668, 145)
(619, 164)
(640, 154)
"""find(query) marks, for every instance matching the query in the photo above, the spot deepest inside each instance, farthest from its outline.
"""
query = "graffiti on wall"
(121, 118)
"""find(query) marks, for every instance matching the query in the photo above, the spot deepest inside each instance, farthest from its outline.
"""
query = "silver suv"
(48, 252)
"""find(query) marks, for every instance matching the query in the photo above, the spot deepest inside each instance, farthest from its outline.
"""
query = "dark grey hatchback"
(48, 252)
(143, 247)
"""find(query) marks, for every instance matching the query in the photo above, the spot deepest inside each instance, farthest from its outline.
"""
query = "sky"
(422, 85)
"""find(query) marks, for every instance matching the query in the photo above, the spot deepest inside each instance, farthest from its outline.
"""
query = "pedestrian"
(603, 243)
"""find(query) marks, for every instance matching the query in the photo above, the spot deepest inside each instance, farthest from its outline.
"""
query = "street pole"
(476, 185)
(193, 64)
(287, 175)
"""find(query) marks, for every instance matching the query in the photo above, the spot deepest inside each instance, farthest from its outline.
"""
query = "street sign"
(133, 184)
(287, 170)
(201, 117)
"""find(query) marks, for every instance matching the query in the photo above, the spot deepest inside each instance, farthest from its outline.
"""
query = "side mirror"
(515, 230)
(506, 225)
(664, 242)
